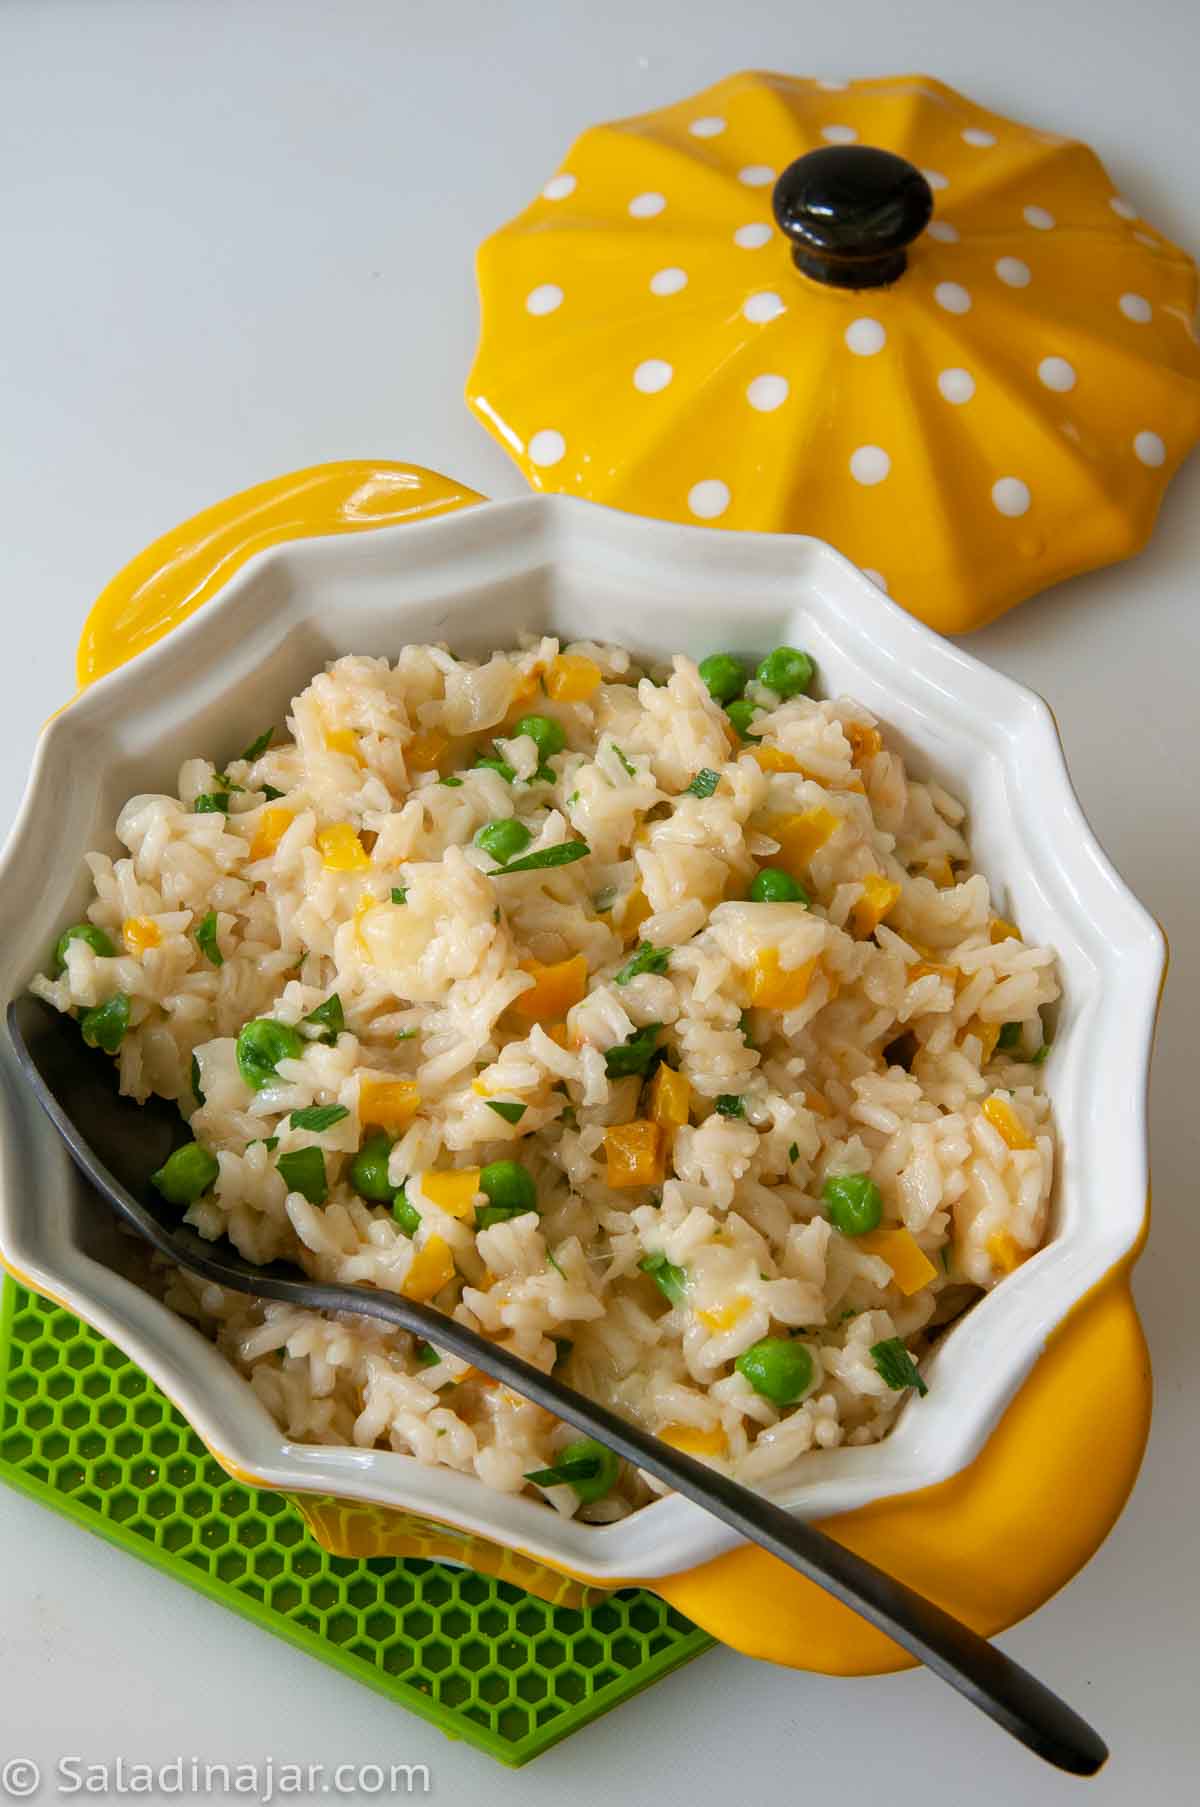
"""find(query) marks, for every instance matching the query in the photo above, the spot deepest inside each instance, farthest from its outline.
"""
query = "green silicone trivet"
(83, 1430)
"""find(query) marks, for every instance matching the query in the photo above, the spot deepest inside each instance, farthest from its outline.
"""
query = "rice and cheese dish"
(651, 1021)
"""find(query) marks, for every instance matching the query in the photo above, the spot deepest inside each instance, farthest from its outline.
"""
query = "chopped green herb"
(744, 1026)
(563, 1346)
(104, 1025)
(896, 1366)
(206, 939)
(1038, 1059)
(270, 793)
(944, 1257)
(704, 783)
(303, 1171)
(630, 768)
(563, 853)
(399, 894)
(670, 1280)
(427, 1356)
(509, 1109)
(1009, 1037)
(328, 1017)
(793, 1151)
(647, 960)
(452, 783)
(586, 1466)
(406, 1035)
(488, 763)
(270, 1143)
(634, 1055)
(544, 775)
(318, 1117)
(550, 1257)
(730, 1105)
(258, 747)
(211, 803)
(226, 782)
(197, 1093)
(604, 899)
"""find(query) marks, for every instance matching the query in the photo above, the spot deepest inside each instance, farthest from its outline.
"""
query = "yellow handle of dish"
(992, 1543)
(169, 580)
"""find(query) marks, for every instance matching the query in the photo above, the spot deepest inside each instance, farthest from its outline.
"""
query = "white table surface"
(236, 239)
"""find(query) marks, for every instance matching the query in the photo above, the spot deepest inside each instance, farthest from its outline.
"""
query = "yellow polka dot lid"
(871, 311)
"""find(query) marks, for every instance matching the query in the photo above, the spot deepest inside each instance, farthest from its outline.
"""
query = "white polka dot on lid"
(839, 134)
(935, 178)
(766, 393)
(1012, 271)
(1057, 374)
(652, 375)
(943, 231)
(953, 297)
(559, 187)
(711, 126)
(876, 577)
(547, 447)
(544, 299)
(752, 237)
(1136, 307)
(1149, 448)
(1040, 219)
(1011, 496)
(865, 336)
(764, 306)
(1124, 209)
(709, 498)
(869, 464)
(975, 135)
(646, 206)
(668, 281)
(957, 385)
(756, 175)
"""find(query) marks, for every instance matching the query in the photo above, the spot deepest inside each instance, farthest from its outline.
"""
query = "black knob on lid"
(849, 211)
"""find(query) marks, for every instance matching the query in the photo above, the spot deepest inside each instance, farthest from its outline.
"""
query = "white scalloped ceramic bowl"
(475, 579)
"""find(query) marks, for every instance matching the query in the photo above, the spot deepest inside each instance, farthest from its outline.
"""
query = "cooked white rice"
(885, 1063)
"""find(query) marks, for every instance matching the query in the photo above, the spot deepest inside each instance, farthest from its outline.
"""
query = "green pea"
(589, 1468)
(855, 1204)
(104, 1025)
(406, 1215)
(186, 1175)
(780, 1370)
(510, 1192)
(723, 676)
(488, 764)
(786, 671)
(546, 734)
(773, 885)
(503, 839)
(741, 713)
(369, 1169)
(261, 1045)
(96, 939)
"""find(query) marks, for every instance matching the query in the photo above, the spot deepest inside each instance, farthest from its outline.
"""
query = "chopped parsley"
(704, 783)
(509, 1109)
(270, 793)
(634, 1055)
(406, 1035)
(399, 894)
(206, 939)
(303, 1171)
(258, 747)
(1009, 1037)
(1038, 1059)
(793, 1151)
(211, 803)
(647, 960)
(563, 853)
(451, 783)
(894, 1364)
(328, 1017)
(730, 1105)
(318, 1117)
(569, 1470)
(427, 1356)
(630, 768)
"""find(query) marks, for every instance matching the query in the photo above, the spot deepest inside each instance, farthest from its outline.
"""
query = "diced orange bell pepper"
(453, 1190)
(911, 1267)
(341, 850)
(800, 836)
(693, 1441)
(572, 678)
(864, 742)
(774, 759)
(558, 1033)
(389, 1104)
(426, 750)
(524, 690)
(344, 740)
(432, 1268)
(1004, 1119)
(773, 987)
(139, 933)
(1002, 930)
(270, 829)
(637, 909)
(879, 895)
(940, 872)
(555, 988)
(924, 969)
(634, 1152)
(817, 1102)
(1005, 1252)
(986, 1034)
(724, 1317)
(670, 1098)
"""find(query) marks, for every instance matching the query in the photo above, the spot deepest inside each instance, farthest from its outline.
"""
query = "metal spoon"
(108, 1136)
